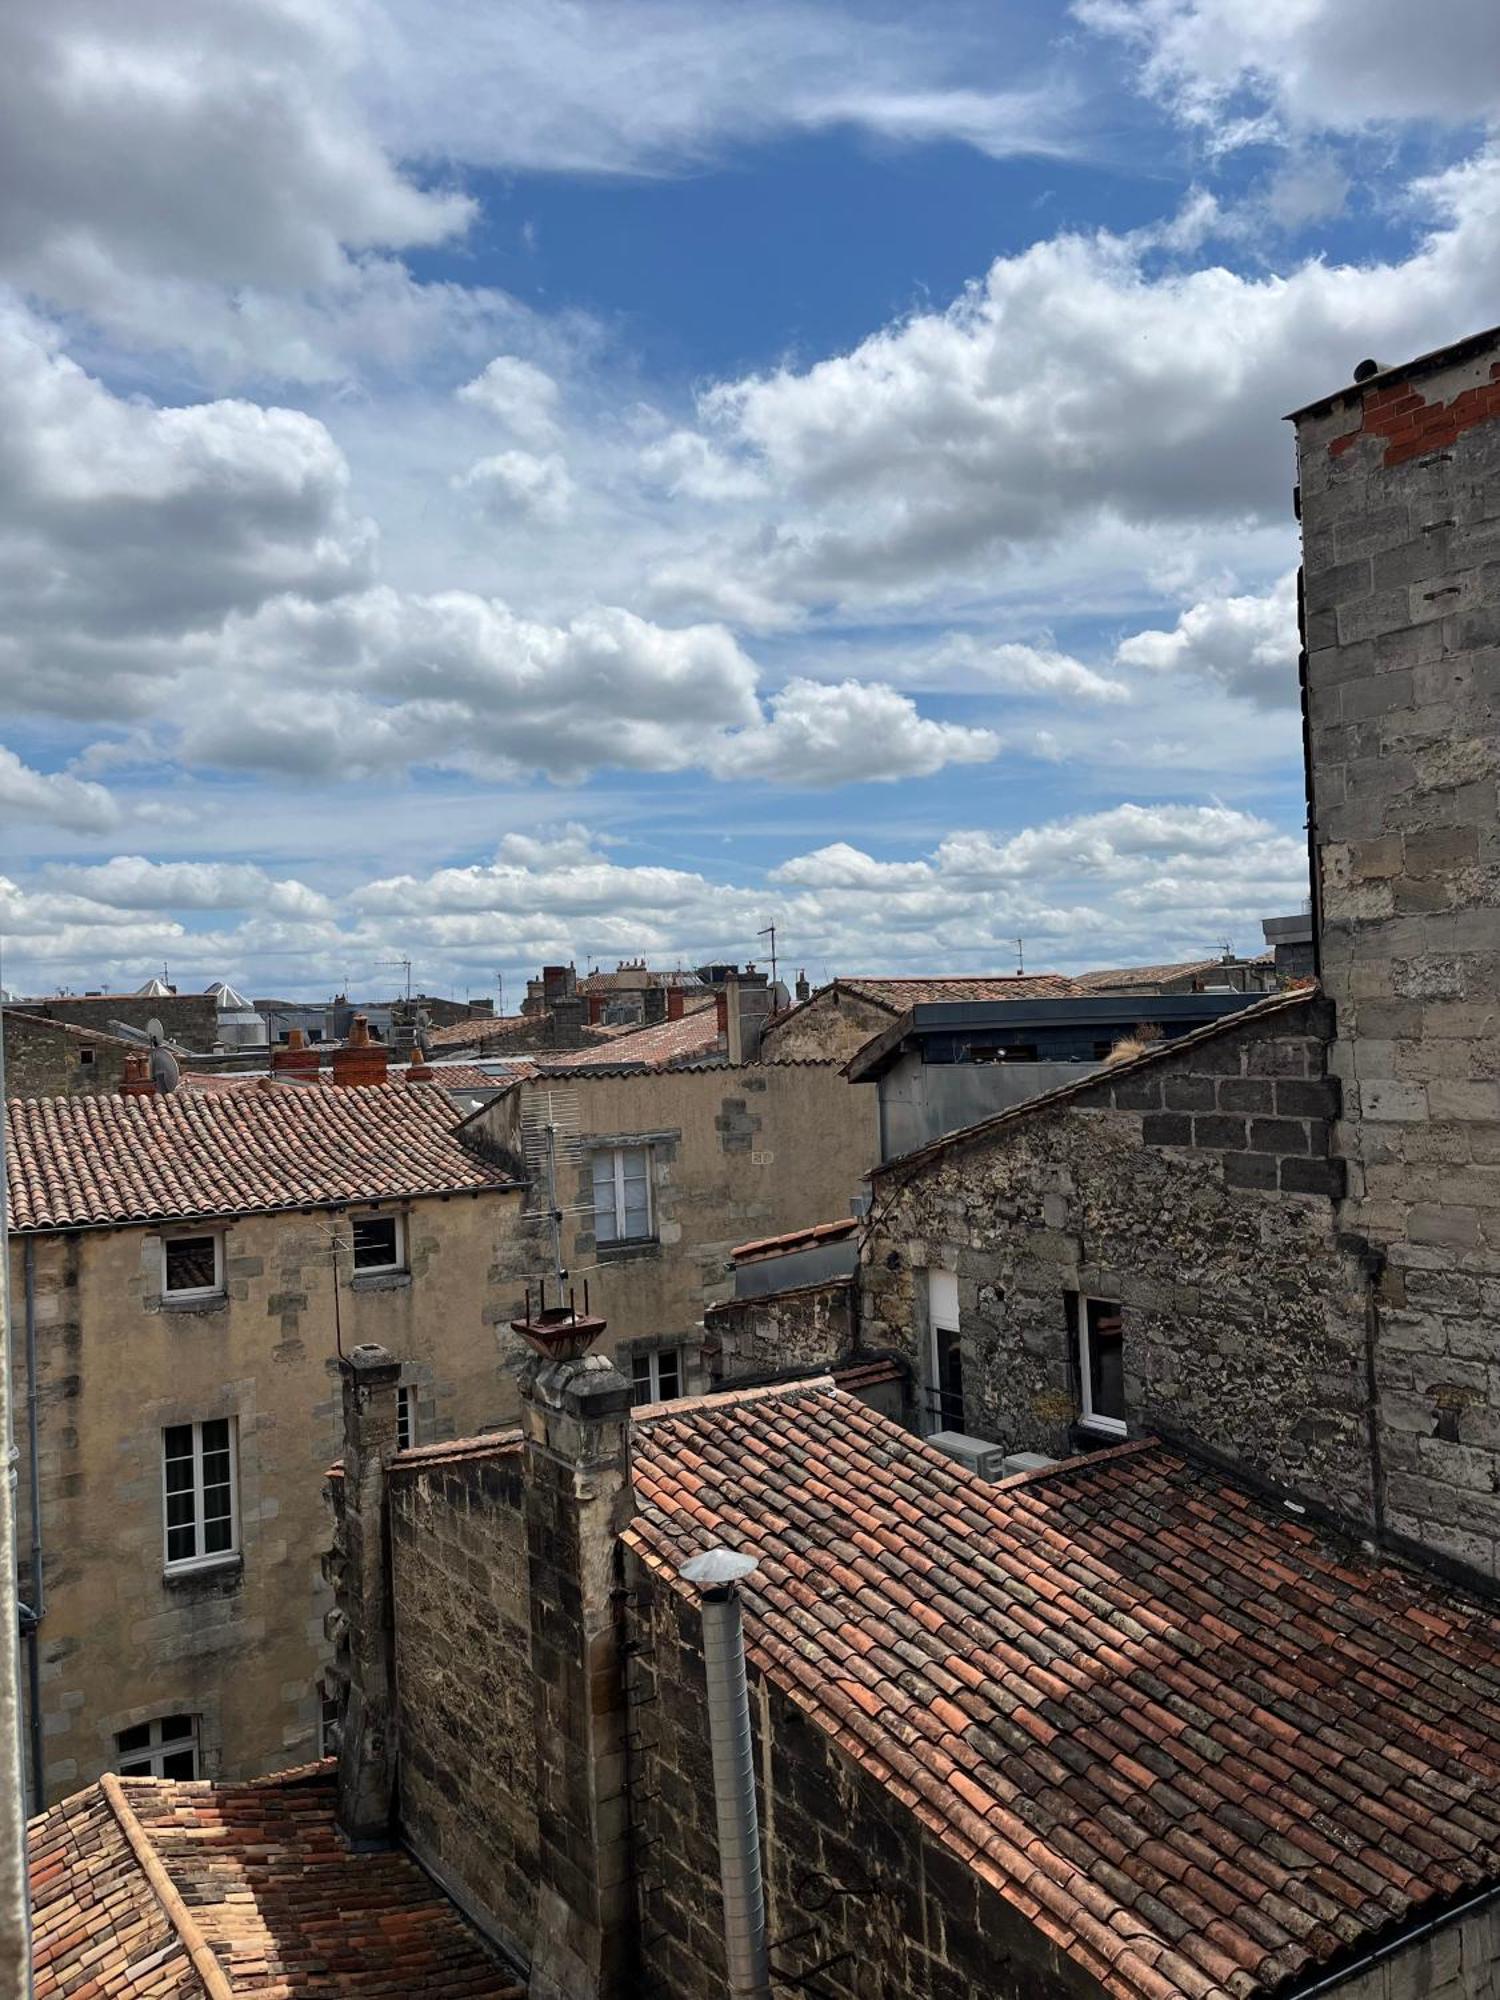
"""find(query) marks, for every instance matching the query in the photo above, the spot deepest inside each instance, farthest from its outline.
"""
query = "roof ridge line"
(212, 1975)
(720, 1399)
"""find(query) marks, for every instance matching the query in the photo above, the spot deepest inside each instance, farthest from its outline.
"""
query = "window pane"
(668, 1375)
(640, 1379)
(179, 1764)
(1106, 1360)
(174, 1726)
(634, 1165)
(190, 1264)
(405, 1399)
(134, 1739)
(606, 1229)
(135, 1767)
(177, 1443)
(375, 1243)
(949, 1363)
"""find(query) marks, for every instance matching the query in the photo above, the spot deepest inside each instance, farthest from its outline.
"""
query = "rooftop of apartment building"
(169, 1890)
(1205, 1744)
(78, 1162)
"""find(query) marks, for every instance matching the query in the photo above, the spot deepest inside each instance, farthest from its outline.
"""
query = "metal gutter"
(1402, 1941)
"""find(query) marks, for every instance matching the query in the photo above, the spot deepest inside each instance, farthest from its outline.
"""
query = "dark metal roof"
(1421, 364)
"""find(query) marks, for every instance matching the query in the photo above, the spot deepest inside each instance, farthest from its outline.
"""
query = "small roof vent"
(1363, 370)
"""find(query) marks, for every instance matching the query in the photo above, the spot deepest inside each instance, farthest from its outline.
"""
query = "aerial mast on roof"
(770, 932)
(1020, 957)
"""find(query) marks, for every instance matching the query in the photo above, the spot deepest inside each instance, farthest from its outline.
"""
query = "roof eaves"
(1050, 1100)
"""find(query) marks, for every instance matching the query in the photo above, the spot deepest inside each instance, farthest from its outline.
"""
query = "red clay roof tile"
(1163, 1719)
(77, 1161)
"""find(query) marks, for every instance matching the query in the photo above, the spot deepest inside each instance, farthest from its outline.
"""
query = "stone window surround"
(202, 1706)
(616, 1148)
(158, 1748)
(196, 1296)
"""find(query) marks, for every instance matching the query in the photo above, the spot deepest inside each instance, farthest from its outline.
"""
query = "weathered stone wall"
(854, 1883)
(191, 1019)
(812, 1326)
(466, 1753)
(1461, 1961)
(834, 1022)
(1195, 1191)
(1400, 492)
(241, 1647)
(45, 1058)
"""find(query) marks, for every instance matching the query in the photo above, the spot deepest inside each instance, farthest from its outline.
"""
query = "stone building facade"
(659, 1174)
(189, 1020)
(1192, 1192)
(1400, 503)
(46, 1058)
(228, 1649)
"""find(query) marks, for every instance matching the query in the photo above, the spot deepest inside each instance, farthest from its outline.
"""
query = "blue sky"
(487, 484)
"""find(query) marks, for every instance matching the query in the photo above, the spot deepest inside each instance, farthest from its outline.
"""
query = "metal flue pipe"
(716, 1575)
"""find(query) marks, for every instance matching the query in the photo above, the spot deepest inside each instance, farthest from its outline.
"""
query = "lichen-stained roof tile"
(267, 1884)
(1201, 1744)
(664, 1042)
(80, 1161)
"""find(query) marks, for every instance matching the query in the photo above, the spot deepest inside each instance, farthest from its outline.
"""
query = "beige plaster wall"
(736, 1153)
(240, 1647)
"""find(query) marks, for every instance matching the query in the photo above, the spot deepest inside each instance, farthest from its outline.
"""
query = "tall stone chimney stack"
(1400, 605)
(575, 1416)
(367, 1742)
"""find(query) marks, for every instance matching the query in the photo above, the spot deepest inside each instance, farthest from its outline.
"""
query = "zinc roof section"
(77, 1162)
(1202, 1747)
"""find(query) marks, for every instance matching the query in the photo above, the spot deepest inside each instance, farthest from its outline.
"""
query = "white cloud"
(53, 797)
(1081, 386)
(1328, 65)
(849, 733)
(520, 482)
(153, 152)
(519, 395)
(131, 882)
(654, 86)
(124, 528)
(1018, 669)
(1247, 644)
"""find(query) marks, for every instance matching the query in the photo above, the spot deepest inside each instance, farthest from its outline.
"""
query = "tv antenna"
(405, 964)
(1020, 958)
(770, 932)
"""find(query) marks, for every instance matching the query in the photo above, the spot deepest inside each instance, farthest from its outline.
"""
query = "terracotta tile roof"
(76, 1161)
(873, 1374)
(664, 1042)
(483, 1027)
(796, 1239)
(258, 1879)
(1199, 1745)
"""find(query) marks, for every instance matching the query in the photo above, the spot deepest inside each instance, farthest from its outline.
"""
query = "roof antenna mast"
(770, 932)
(1020, 957)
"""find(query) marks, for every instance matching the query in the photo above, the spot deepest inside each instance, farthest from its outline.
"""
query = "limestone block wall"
(1400, 500)
(810, 1326)
(1459, 1961)
(45, 1058)
(854, 1884)
(241, 1647)
(466, 1749)
(1196, 1192)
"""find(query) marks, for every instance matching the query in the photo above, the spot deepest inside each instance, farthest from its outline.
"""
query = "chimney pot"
(676, 1003)
(136, 1080)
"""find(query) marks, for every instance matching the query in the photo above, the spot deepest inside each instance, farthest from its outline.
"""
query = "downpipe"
(716, 1576)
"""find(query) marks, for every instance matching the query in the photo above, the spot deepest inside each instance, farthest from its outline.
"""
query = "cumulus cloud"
(1247, 644)
(520, 482)
(856, 731)
(131, 882)
(1328, 65)
(144, 150)
(517, 394)
(125, 527)
(1083, 383)
(53, 797)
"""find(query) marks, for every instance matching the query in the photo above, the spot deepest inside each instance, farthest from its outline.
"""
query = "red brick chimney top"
(362, 1060)
(419, 1070)
(136, 1080)
(676, 999)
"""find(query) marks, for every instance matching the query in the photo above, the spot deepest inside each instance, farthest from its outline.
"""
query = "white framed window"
(379, 1243)
(192, 1267)
(199, 1489)
(406, 1417)
(622, 1194)
(1101, 1365)
(165, 1748)
(656, 1377)
(945, 1359)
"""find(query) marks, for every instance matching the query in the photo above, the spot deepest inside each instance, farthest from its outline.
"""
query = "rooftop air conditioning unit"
(985, 1460)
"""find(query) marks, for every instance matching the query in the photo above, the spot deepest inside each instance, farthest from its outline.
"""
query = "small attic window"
(86, 1058)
